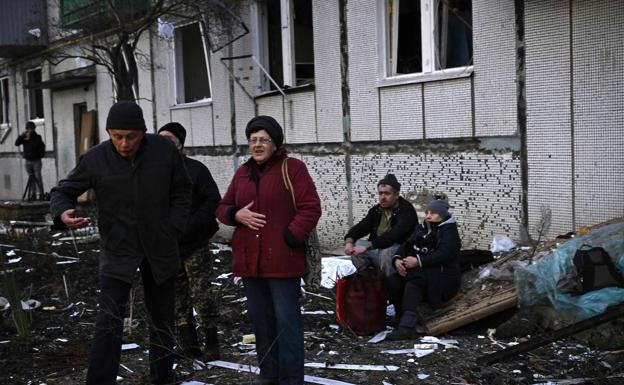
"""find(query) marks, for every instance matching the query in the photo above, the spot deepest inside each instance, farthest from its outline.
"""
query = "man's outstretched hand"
(68, 218)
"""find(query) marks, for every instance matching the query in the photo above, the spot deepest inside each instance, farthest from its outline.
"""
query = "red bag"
(361, 302)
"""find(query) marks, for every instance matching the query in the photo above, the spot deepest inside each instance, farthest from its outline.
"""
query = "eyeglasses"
(259, 140)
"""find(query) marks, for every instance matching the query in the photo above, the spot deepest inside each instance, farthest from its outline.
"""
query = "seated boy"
(427, 269)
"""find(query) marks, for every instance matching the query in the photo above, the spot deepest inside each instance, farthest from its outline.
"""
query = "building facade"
(511, 108)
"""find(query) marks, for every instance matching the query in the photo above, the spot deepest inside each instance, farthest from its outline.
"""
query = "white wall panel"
(598, 54)
(494, 43)
(401, 112)
(547, 35)
(364, 100)
(327, 80)
(448, 112)
(302, 128)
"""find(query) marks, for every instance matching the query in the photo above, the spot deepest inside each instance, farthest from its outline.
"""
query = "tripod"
(31, 189)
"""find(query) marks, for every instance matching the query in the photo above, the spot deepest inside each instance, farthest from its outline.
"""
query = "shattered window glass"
(301, 42)
(418, 41)
(192, 80)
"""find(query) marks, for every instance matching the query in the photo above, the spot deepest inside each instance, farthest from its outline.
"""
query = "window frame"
(260, 45)
(5, 124)
(32, 94)
(175, 60)
(427, 25)
(5, 101)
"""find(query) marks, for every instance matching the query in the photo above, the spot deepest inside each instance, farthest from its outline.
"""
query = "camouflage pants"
(193, 290)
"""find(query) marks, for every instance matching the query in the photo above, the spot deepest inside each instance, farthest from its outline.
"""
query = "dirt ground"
(60, 330)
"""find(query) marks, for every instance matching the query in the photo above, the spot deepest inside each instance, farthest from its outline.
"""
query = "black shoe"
(211, 351)
(394, 321)
(187, 341)
(402, 333)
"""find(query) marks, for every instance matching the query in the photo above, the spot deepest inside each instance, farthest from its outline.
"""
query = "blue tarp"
(539, 280)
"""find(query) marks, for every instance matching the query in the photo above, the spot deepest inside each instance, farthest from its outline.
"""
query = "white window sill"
(5, 128)
(199, 103)
(451, 73)
(289, 90)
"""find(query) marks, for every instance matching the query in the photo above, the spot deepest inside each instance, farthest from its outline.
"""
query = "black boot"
(402, 333)
(406, 329)
(211, 351)
(187, 341)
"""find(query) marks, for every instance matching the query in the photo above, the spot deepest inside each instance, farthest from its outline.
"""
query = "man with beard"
(388, 224)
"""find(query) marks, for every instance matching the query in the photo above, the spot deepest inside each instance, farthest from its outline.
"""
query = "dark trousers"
(429, 285)
(106, 347)
(33, 168)
(273, 305)
(405, 294)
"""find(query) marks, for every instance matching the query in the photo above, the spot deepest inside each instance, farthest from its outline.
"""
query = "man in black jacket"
(143, 198)
(387, 224)
(34, 150)
(192, 283)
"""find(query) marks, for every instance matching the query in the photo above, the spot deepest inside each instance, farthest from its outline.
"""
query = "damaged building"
(508, 107)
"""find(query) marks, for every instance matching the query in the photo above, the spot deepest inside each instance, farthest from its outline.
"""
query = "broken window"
(35, 96)
(191, 64)
(288, 42)
(4, 101)
(427, 35)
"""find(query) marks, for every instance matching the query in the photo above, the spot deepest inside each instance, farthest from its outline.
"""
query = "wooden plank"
(463, 315)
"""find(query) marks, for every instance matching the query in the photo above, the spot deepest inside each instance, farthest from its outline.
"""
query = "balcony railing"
(82, 13)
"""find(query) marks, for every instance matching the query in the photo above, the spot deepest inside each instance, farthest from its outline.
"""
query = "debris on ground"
(59, 331)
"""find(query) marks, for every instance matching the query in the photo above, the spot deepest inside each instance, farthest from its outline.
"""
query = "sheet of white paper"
(317, 312)
(325, 365)
(255, 370)
(398, 351)
(436, 340)
(379, 337)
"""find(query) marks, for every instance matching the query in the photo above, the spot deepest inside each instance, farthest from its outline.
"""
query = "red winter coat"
(271, 252)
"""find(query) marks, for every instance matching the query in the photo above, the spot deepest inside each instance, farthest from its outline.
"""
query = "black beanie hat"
(176, 129)
(30, 125)
(439, 207)
(390, 180)
(125, 116)
(268, 124)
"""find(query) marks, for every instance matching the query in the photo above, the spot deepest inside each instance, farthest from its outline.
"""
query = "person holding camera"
(34, 150)
(427, 269)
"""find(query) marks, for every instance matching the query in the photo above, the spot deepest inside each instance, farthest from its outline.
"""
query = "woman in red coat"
(268, 246)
